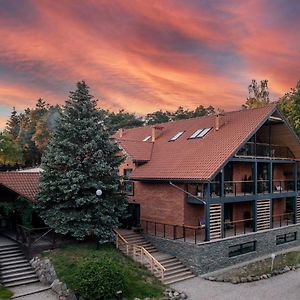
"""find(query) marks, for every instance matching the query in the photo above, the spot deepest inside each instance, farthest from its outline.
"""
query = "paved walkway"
(285, 286)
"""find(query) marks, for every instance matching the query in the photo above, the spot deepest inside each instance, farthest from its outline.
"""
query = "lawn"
(139, 281)
(5, 293)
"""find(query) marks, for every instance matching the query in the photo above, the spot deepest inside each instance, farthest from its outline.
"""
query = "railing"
(233, 228)
(35, 237)
(283, 186)
(283, 219)
(140, 254)
(187, 233)
(265, 150)
(234, 188)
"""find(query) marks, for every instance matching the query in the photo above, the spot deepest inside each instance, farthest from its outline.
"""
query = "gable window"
(200, 133)
(128, 185)
(176, 136)
(147, 138)
(127, 173)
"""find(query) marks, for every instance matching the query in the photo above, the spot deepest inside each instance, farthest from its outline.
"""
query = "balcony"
(265, 150)
(244, 188)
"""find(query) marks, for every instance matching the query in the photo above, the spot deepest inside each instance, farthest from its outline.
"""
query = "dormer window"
(147, 138)
(200, 133)
(176, 136)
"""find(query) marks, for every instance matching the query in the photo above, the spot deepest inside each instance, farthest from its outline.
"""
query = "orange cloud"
(145, 56)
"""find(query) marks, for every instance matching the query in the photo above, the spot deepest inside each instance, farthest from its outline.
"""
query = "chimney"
(156, 130)
(219, 120)
(121, 132)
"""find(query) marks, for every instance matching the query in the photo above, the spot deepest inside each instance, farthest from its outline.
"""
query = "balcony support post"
(270, 177)
(254, 212)
(254, 176)
(207, 212)
(222, 182)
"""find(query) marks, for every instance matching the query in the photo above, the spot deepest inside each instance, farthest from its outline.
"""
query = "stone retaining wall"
(211, 256)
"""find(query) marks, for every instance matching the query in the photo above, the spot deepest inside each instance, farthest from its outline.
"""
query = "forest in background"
(26, 135)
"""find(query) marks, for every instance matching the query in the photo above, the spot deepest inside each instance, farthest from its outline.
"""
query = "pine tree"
(81, 158)
(13, 125)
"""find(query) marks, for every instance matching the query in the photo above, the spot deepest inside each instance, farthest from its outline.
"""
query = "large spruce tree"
(80, 159)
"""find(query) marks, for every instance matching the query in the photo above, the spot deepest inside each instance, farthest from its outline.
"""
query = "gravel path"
(46, 295)
(285, 286)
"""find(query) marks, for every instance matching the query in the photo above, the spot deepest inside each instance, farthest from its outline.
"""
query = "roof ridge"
(271, 104)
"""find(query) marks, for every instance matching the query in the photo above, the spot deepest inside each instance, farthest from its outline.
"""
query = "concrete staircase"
(15, 270)
(175, 270)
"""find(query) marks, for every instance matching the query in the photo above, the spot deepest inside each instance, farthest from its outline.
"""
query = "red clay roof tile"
(24, 184)
(185, 158)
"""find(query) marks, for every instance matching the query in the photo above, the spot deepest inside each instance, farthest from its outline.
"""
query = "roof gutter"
(191, 195)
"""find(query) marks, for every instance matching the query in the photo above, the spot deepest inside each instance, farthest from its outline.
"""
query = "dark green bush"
(98, 279)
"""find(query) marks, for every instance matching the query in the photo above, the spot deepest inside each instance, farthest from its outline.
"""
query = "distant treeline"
(27, 134)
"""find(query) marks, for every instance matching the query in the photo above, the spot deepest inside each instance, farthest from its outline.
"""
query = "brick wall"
(160, 202)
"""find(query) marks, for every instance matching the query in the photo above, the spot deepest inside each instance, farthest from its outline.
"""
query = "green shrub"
(98, 279)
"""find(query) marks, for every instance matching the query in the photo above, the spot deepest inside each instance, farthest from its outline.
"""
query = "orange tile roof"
(197, 159)
(137, 150)
(22, 183)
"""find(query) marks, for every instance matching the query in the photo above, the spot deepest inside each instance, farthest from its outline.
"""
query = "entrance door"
(134, 212)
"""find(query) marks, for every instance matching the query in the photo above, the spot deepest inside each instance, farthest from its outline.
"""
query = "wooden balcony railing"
(237, 227)
(187, 233)
(283, 219)
(35, 237)
(140, 254)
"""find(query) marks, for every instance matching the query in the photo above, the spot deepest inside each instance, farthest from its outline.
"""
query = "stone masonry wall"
(214, 255)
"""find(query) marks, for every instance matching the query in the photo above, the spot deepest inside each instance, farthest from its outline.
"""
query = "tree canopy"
(258, 94)
(79, 159)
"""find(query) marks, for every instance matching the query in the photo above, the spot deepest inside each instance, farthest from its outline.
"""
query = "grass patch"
(5, 293)
(139, 281)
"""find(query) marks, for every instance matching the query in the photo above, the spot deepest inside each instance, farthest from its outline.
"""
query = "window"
(200, 133)
(128, 187)
(286, 238)
(127, 173)
(242, 248)
(147, 138)
(176, 136)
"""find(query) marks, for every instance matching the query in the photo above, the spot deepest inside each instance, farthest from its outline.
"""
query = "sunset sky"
(146, 55)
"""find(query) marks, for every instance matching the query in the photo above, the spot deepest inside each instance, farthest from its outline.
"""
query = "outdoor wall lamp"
(99, 192)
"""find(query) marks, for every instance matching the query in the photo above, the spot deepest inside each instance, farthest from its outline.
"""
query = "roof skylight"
(200, 133)
(176, 136)
(147, 138)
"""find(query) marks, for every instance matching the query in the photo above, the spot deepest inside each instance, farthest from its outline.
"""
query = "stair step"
(14, 267)
(15, 270)
(17, 253)
(21, 282)
(14, 258)
(178, 271)
(7, 248)
(18, 274)
(11, 251)
(172, 264)
(182, 266)
(19, 278)
(182, 274)
(16, 262)
(169, 259)
(167, 281)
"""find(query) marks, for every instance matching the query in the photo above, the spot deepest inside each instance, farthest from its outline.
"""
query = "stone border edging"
(250, 278)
